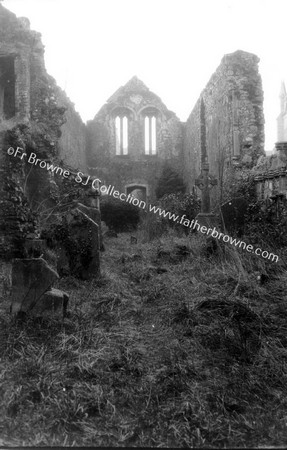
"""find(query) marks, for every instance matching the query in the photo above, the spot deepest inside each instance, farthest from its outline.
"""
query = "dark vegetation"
(179, 204)
(170, 182)
(264, 222)
(78, 251)
(119, 216)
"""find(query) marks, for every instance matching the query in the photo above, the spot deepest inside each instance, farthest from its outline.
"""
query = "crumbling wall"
(234, 118)
(136, 167)
(270, 174)
(16, 218)
(33, 125)
(72, 143)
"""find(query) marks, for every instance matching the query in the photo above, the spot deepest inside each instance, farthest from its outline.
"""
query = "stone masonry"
(137, 168)
(37, 117)
(233, 100)
(128, 142)
(271, 171)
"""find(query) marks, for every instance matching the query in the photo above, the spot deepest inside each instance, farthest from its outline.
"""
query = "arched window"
(121, 124)
(150, 134)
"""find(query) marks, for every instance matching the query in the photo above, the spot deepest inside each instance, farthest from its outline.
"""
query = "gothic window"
(121, 123)
(150, 134)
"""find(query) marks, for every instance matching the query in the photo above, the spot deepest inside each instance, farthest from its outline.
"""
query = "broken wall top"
(16, 31)
(240, 71)
(272, 165)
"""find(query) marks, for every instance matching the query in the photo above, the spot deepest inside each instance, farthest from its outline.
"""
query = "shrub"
(265, 220)
(180, 204)
(119, 216)
(151, 227)
(169, 182)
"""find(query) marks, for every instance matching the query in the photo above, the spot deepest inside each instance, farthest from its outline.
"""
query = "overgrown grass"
(173, 346)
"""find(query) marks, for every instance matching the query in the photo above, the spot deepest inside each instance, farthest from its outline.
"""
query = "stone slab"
(31, 278)
(85, 263)
(53, 302)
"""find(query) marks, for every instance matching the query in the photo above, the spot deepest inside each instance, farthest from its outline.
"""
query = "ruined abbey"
(134, 134)
(131, 138)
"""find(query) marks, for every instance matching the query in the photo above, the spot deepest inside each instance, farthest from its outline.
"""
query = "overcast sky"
(174, 46)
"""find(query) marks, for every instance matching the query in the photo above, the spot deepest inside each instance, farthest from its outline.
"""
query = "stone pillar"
(22, 86)
(205, 181)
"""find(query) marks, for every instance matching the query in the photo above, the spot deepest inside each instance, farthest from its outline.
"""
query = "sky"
(92, 47)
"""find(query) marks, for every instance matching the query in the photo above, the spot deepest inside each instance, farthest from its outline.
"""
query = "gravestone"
(83, 245)
(32, 279)
(205, 181)
(233, 215)
(53, 302)
(93, 213)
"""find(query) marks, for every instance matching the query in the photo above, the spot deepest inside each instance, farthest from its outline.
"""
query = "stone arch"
(138, 190)
(121, 119)
(150, 118)
(150, 110)
(123, 111)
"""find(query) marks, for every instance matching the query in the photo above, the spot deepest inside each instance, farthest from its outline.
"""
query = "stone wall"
(72, 143)
(234, 118)
(270, 174)
(32, 116)
(136, 168)
(37, 116)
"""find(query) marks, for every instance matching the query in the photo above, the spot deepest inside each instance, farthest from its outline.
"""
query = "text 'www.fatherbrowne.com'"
(129, 198)
(194, 224)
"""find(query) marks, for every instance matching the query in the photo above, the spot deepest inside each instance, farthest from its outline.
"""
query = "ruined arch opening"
(121, 117)
(138, 191)
(150, 116)
(121, 124)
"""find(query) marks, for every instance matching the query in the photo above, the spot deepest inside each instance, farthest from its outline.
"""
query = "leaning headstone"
(90, 211)
(94, 214)
(53, 302)
(31, 278)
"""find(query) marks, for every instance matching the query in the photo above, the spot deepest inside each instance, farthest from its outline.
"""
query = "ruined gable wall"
(233, 100)
(136, 167)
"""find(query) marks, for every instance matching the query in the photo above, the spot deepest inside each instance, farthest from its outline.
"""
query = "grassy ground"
(170, 347)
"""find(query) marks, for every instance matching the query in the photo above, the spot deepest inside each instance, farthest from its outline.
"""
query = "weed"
(195, 356)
